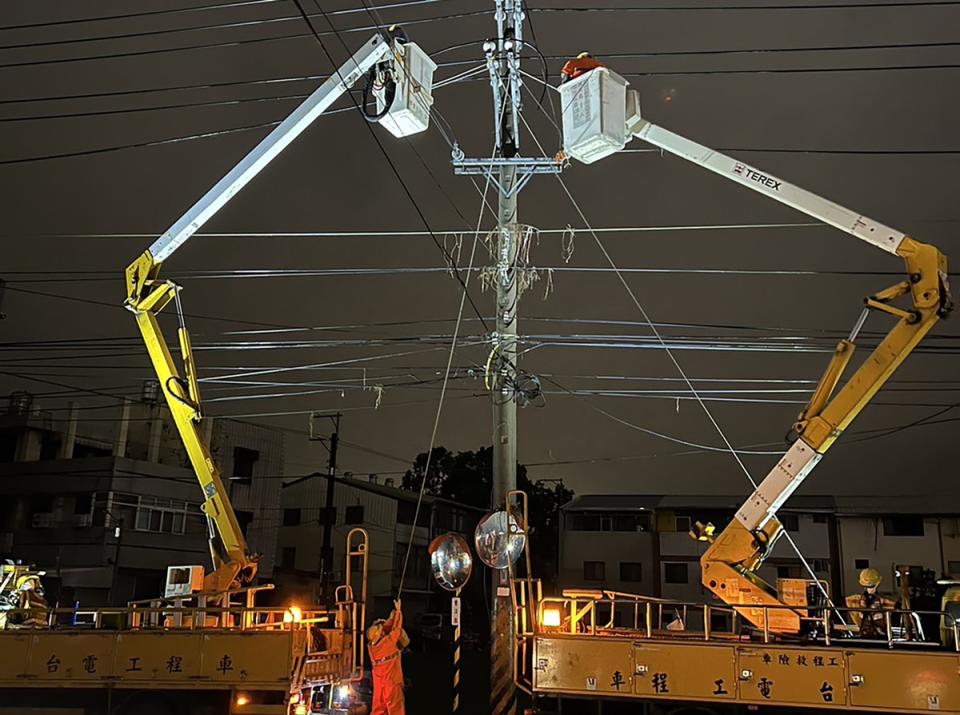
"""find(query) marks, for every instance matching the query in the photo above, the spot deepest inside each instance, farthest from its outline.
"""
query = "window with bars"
(586, 521)
(160, 516)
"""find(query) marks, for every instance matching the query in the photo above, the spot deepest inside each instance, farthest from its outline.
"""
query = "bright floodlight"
(551, 617)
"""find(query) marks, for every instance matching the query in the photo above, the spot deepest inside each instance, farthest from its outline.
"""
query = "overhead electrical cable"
(34, 277)
(155, 108)
(794, 70)
(386, 155)
(229, 43)
(161, 142)
(198, 28)
(464, 296)
(751, 51)
(594, 8)
(189, 87)
(142, 145)
(206, 103)
(405, 234)
(144, 13)
(155, 90)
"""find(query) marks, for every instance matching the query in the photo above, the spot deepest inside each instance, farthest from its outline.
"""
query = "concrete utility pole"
(508, 172)
(509, 16)
(502, 690)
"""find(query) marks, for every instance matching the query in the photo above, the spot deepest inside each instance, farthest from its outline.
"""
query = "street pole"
(456, 653)
(502, 689)
(509, 172)
(503, 695)
(329, 514)
(117, 535)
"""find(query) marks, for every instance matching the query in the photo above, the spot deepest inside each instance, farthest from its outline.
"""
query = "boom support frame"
(729, 566)
(148, 295)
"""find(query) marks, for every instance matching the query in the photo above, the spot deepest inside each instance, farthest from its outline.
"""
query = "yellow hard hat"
(27, 582)
(375, 631)
(870, 577)
(583, 55)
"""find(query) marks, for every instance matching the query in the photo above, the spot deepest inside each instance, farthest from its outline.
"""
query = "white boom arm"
(595, 125)
(375, 50)
(405, 104)
(784, 479)
(851, 222)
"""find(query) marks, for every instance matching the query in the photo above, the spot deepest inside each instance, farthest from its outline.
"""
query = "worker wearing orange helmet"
(386, 640)
(582, 64)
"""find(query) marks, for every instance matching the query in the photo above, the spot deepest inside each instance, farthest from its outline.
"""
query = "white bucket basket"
(410, 111)
(594, 115)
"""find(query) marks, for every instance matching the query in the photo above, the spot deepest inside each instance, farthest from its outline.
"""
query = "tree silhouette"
(467, 477)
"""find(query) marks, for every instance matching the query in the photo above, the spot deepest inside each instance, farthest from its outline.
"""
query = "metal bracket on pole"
(490, 168)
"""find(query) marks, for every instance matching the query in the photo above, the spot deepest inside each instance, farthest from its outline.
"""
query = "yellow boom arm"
(729, 566)
(147, 295)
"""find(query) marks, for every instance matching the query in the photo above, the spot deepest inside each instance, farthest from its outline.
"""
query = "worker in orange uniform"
(386, 640)
(576, 67)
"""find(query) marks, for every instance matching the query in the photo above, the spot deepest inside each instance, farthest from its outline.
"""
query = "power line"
(142, 145)
(230, 43)
(151, 90)
(197, 28)
(425, 234)
(854, 152)
(745, 51)
(396, 172)
(613, 55)
(160, 142)
(155, 108)
(33, 277)
(117, 306)
(146, 13)
(796, 70)
(769, 6)
(182, 105)
(186, 87)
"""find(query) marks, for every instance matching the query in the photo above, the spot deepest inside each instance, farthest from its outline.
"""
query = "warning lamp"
(343, 697)
(242, 699)
(551, 618)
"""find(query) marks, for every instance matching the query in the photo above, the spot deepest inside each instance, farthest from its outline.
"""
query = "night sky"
(65, 332)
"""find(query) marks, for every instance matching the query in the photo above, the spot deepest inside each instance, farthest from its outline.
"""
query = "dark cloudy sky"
(335, 178)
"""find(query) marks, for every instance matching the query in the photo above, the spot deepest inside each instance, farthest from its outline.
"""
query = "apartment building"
(105, 515)
(641, 544)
